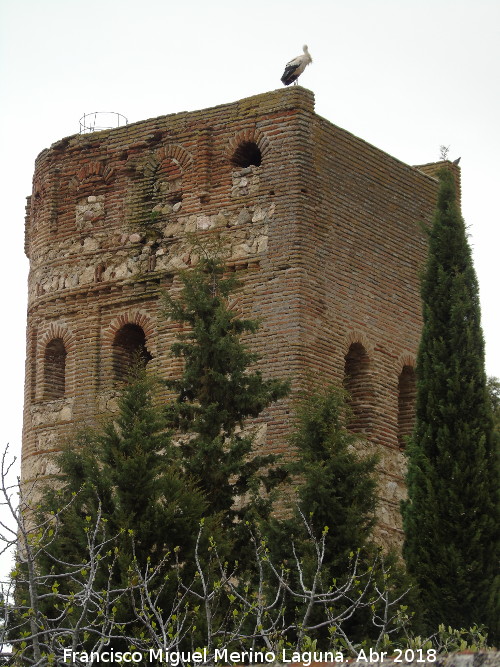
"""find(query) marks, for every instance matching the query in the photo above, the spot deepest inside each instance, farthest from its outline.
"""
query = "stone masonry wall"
(323, 229)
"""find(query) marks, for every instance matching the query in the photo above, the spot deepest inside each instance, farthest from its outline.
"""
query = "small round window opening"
(247, 155)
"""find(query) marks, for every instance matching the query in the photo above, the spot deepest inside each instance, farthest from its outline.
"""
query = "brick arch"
(407, 395)
(55, 363)
(405, 359)
(176, 153)
(164, 173)
(358, 382)
(93, 169)
(58, 330)
(54, 370)
(120, 345)
(251, 134)
(355, 336)
(135, 316)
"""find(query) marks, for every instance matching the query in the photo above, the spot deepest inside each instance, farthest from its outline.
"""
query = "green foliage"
(337, 486)
(218, 390)
(127, 479)
(451, 518)
(131, 471)
(335, 501)
(493, 387)
(449, 640)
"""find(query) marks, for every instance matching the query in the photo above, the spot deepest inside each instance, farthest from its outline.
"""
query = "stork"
(295, 67)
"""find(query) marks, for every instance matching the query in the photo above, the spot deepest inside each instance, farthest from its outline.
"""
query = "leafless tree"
(49, 614)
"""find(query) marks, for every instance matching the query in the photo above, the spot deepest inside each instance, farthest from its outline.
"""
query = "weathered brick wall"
(325, 234)
(364, 272)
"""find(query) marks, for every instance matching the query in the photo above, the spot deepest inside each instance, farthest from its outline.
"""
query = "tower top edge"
(282, 99)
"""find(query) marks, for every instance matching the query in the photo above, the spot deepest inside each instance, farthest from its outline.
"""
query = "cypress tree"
(494, 392)
(451, 517)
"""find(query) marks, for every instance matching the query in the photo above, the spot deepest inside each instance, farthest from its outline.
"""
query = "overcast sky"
(407, 76)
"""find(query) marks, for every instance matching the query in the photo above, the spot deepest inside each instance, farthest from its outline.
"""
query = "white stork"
(295, 67)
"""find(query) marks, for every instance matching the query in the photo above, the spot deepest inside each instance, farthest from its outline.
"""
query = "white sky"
(406, 76)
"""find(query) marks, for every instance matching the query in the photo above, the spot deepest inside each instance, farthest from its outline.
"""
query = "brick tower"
(323, 229)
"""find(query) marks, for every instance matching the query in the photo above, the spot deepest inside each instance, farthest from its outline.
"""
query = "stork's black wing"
(289, 75)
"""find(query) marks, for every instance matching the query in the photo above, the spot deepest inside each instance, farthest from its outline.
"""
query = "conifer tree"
(494, 393)
(129, 473)
(337, 486)
(218, 390)
(451, 518)
(336, 496)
